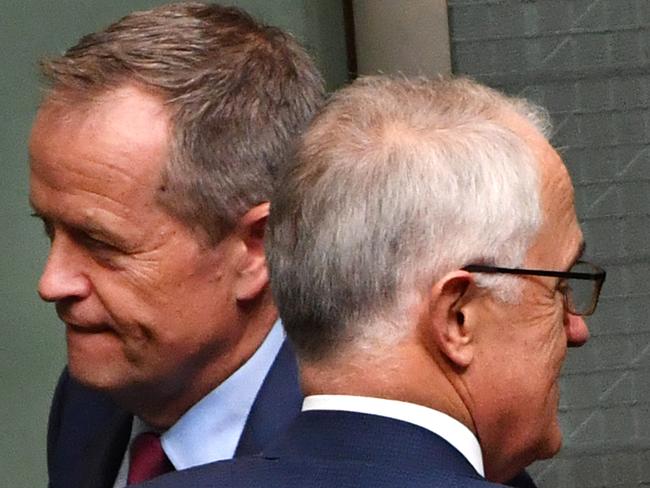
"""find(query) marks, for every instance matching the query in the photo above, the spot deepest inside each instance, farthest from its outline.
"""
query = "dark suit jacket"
(88, 433)
(340, 450)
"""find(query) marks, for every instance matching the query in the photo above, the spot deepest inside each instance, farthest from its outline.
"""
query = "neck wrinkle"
(412, 376)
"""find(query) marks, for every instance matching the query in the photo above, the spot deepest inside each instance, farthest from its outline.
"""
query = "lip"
(87, 328)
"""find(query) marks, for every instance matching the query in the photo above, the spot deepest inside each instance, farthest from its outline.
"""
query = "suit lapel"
(104, 455)
(277, 404)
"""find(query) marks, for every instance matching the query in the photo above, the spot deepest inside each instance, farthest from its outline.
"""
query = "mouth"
(86, 328)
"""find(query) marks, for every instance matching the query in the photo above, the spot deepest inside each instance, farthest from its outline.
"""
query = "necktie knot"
(147, 459)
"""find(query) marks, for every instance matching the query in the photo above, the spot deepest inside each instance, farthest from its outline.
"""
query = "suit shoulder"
(261, 472)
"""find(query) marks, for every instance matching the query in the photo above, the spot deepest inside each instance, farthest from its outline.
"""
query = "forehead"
(98, 164)
(129, 117)
(121, 135)
(560, 239)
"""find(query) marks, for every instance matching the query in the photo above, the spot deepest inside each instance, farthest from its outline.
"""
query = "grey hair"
(238, 93)
(396, 183)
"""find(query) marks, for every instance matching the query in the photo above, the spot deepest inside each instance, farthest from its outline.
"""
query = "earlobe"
(252, 272)
(451, 332)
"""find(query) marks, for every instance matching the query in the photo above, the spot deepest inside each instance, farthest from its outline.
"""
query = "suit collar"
(367, 438)
(276, 405)
(449, 428)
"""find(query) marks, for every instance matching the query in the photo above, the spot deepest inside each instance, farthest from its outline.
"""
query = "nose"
(63, 276)
(577, 332)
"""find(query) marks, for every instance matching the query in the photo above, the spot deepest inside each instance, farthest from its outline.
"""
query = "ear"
(449, 329)
(252, 273)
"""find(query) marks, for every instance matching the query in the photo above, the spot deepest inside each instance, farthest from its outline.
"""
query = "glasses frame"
(598, 276)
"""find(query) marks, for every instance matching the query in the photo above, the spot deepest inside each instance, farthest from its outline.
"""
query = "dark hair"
(238, 93)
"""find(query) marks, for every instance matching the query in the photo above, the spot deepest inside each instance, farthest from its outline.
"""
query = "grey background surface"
(588, 62)
(32, 349)
(411, 37)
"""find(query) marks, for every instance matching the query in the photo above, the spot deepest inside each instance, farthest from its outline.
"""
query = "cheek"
(524, 361)
(182, 308)
(544, 308)
(544, 324)
(555, 337)
(133, 300)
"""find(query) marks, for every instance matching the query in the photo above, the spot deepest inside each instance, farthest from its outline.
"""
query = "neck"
(406, 373)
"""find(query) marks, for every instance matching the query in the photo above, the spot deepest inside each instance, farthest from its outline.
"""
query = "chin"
(96, 360)
(552, 447)
(97, 378)
(530, 449)
(550, 444)
(98, 373)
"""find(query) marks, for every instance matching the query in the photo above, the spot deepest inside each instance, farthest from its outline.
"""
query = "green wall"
(32, 349)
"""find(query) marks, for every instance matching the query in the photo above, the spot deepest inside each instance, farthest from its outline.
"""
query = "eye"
(48, 228)
(93, 243)
(562, 286)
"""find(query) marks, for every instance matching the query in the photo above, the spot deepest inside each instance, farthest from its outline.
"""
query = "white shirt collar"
(210, 430)
(450, 429)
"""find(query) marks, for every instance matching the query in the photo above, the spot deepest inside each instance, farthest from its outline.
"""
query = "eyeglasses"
(580, 285)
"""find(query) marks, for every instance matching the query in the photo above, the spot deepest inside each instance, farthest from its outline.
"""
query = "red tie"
(148, 459)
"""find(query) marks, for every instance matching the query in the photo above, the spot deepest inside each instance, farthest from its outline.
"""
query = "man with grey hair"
(425, 256)
(153, 157)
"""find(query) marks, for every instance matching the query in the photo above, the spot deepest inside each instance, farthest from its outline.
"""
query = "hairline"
(68, 99)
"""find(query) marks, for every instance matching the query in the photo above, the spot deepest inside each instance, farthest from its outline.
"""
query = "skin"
(146, 303)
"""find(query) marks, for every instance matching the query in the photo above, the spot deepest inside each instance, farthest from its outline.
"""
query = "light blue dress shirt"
(210, 430)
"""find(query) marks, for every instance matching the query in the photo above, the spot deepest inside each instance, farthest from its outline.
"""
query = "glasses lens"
(582, 293)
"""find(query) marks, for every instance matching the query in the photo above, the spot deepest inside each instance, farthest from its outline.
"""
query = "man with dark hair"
(425, 256)
(153, 157)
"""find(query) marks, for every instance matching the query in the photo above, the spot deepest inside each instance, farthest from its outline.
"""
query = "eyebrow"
(36, 213)
(92, 229)
(579, 253)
